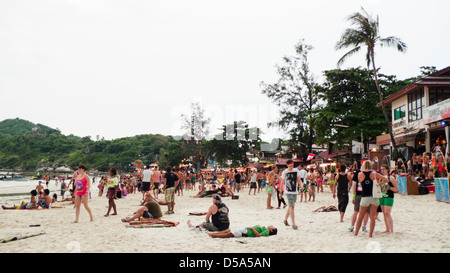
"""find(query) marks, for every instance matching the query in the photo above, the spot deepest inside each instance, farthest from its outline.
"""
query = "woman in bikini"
(82, 190)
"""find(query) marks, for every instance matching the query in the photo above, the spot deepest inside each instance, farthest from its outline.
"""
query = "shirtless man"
(45, 201)
(156, 181)
(40, 188)
(272, 177)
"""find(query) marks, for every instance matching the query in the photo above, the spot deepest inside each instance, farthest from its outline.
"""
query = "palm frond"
(347, 55)
(393, 41)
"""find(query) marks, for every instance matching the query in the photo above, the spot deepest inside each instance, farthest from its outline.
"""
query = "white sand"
(420, 222)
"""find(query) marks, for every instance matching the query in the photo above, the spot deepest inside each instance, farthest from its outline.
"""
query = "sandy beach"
(420, 222)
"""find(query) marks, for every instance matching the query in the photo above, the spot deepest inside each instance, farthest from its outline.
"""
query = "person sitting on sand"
(216, 217)
(204, 192)
(68, 199)
(148, 197)
(151, 209)
(224, 190)
(255, 231)
(33, 204)
(45, 201)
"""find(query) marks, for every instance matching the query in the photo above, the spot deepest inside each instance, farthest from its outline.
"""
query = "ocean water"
(21, 192)
(22, 188)
(21, 184)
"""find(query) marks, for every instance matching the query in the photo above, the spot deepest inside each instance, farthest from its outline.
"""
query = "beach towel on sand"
(149, 222)
(44, 209)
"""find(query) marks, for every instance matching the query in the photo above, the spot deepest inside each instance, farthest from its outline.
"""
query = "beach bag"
(376, 190)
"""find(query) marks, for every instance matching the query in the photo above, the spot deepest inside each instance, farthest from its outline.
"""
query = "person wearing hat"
(216, 217)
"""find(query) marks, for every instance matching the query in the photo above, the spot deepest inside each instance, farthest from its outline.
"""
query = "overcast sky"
(122, 68)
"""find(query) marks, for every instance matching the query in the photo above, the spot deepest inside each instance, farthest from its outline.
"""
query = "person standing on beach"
(63, 188)
(356, 198)
(40, 188)
(342, 184)
(304, 176)
(290, 179)
(271, 178)
(366, 178)
(156, 180)
(112, 184)
(237, 181)
(179, 187)
(82, 189)
(146, 180)
(259, 179)
(387, 202)
(170, 181)
(253, 183)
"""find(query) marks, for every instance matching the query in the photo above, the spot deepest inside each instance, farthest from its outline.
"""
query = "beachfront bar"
(421, 114)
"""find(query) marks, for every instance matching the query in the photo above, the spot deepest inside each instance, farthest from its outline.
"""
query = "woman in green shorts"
(387, 202)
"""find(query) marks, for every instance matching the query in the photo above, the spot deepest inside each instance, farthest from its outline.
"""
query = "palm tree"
(366, 34)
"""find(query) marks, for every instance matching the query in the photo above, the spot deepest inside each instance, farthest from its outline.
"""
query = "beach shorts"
(291, 198)
(357, 202)
(259, 183)
(239, 232)
(111, 191)
(269, 189)
(342, 201)
(147, 214)
(169, 195)
(252, 185)
(303, 190)
(209, 226)
(387, 201)
(145, 186)
(369, 200)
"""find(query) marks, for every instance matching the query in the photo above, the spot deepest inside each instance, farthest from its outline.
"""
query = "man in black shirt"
(216, 217)
(170, 183)
(237, 180)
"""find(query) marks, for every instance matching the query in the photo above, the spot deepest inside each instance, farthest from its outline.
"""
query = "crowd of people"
(284, 185)
(426, 165)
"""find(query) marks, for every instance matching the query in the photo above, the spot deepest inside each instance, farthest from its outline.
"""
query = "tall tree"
(365, 33)
(233, 144)
(350, 98)
(294, 94)
(195, 125)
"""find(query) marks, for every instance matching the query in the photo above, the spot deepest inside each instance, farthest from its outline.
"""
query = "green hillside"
(27, 146)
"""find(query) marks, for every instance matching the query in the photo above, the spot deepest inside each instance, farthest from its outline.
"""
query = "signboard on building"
(436, 112)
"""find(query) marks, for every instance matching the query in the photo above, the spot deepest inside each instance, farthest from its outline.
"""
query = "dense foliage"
(28, 146)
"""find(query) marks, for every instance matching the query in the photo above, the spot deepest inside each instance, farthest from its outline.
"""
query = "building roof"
(439, 78)
(332, 155)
